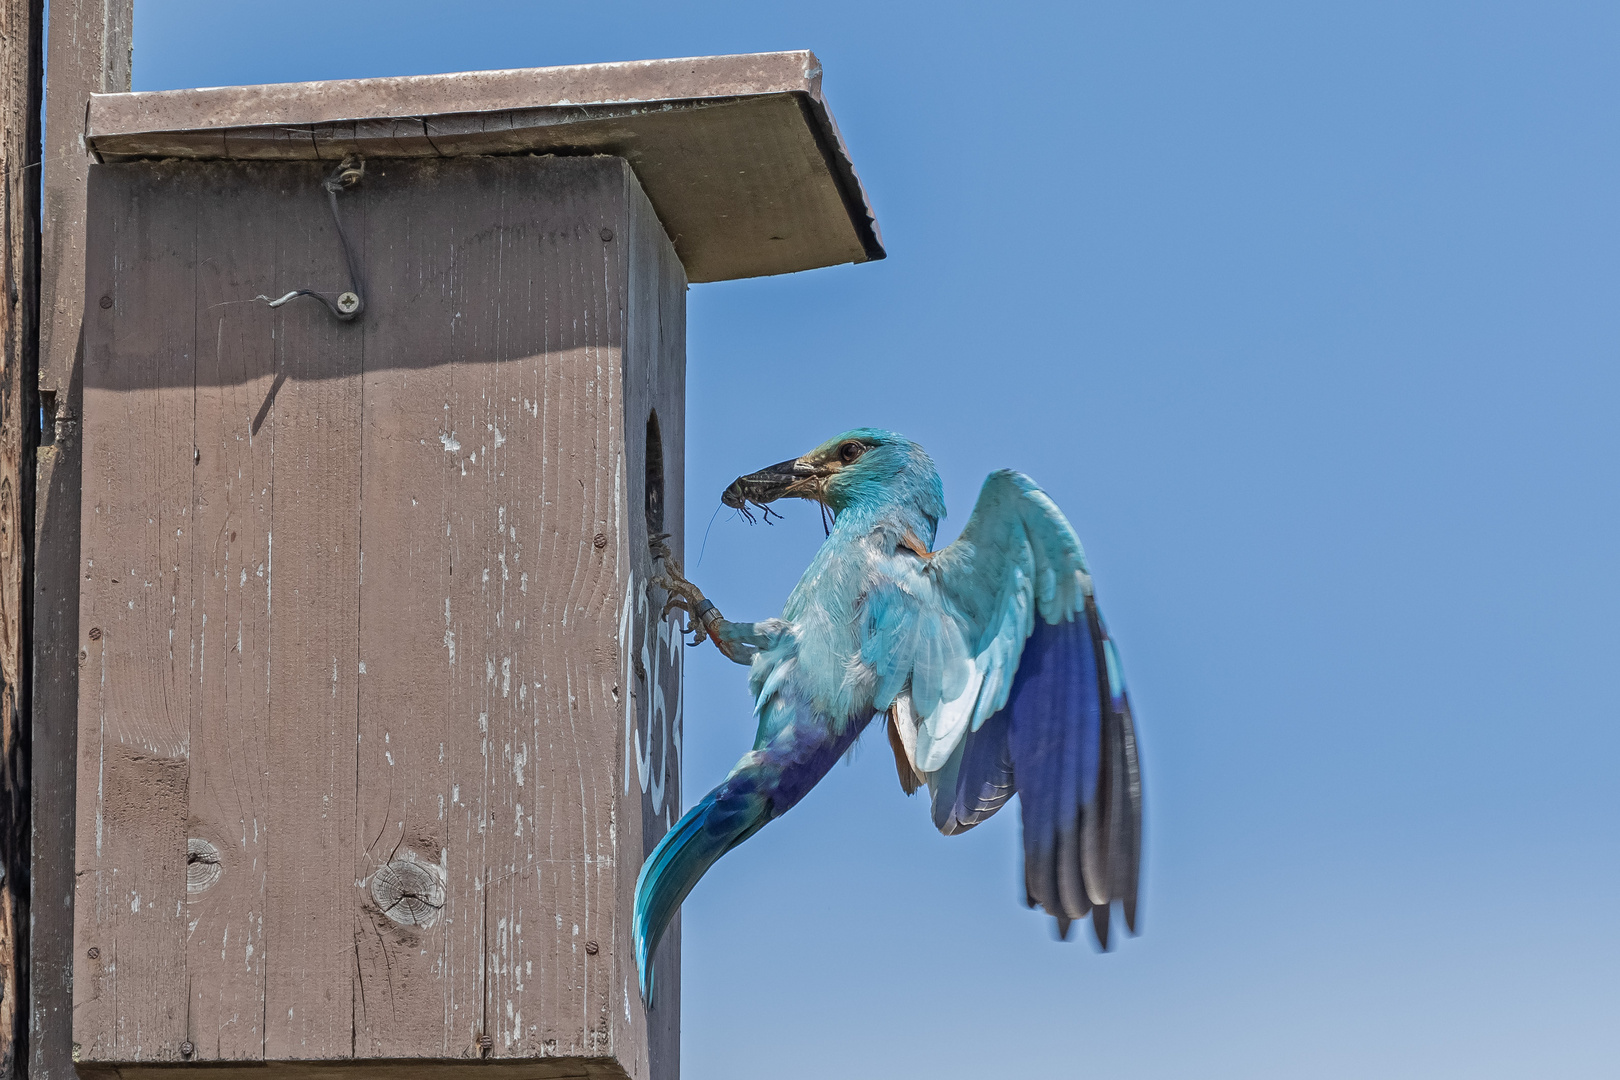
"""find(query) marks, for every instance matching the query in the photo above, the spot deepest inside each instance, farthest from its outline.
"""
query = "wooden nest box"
(377, 719)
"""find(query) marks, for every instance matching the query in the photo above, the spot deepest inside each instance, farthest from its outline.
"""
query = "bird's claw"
(683, 595)
(660, 550)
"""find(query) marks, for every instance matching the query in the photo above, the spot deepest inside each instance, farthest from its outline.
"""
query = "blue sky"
(1306, 314)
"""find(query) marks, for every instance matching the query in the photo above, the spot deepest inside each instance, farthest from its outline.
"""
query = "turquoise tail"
(764, 785)
(707, 831)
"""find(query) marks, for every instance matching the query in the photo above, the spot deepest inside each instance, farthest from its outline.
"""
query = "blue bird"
(988, 658)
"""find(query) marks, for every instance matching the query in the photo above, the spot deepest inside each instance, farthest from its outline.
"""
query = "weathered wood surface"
(89, 50)
(653, 666)
(231, 708)
(367, 631)
(19, 145)
(740, 155)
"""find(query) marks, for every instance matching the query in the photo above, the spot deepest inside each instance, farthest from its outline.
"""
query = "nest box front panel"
(376, 718)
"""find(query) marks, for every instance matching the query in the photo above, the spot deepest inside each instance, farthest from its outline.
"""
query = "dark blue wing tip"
(1105, 936)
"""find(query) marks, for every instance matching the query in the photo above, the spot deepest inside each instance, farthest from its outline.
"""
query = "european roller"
(987, 659)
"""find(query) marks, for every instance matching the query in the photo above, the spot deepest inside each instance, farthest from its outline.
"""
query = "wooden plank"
(230, 626)
(649, 83)
(740, 155)
(654, 375)
(747, 186)
(550, 788)
(135, 606)
(312, 568)
(20, 75)
(545, 1069)
(89, 53)
(419, 989)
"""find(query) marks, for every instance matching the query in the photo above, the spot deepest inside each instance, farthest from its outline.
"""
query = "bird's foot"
(657, 544)
(683, 595)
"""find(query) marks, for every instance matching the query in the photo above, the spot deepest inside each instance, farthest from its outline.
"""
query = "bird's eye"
(850, 451)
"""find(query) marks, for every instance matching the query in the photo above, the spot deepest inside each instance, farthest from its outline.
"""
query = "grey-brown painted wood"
(88, 53)
(230, 622)
(656, 661)
(20, 75)
(412, 807)
(136, 604)
(739, 155)
(647, 82)
(428, 719)
(313, 564)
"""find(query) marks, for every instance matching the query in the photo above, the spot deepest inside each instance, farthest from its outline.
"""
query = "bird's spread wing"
(998, 676)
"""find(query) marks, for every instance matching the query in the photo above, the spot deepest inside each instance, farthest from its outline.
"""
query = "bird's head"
(865, 469)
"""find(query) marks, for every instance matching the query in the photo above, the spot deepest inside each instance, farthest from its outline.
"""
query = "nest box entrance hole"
(655, 476)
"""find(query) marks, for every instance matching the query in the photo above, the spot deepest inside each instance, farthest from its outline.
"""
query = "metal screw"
(95, 633)
(485, 1044)
(348, 303)
(592, 948)
(187, 1049)
(600, 541)
(607, 235)
(93, 953)
(106, 302)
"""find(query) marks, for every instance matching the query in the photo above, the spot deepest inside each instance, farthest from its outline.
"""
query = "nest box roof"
(738, 154)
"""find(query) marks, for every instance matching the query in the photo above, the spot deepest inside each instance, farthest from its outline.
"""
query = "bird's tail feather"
(766, 783)
(713, 827)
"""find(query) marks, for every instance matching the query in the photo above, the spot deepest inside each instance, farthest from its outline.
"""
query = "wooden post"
(378, 715)
(19, 154)
(89, 45)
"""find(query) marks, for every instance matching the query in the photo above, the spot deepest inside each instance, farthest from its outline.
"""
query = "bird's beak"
(784, 479)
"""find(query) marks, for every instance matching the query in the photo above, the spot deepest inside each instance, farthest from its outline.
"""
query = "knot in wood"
(202, 866)
(409, 891)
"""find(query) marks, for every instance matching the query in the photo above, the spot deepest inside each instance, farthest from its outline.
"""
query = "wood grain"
(654, 386)
(433, 719)
(89, 53)
(420, 985)
(230, 624)
(739, 154)
(135, 610)
(20, 74)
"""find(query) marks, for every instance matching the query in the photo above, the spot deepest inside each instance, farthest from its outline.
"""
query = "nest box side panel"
(655, 396)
